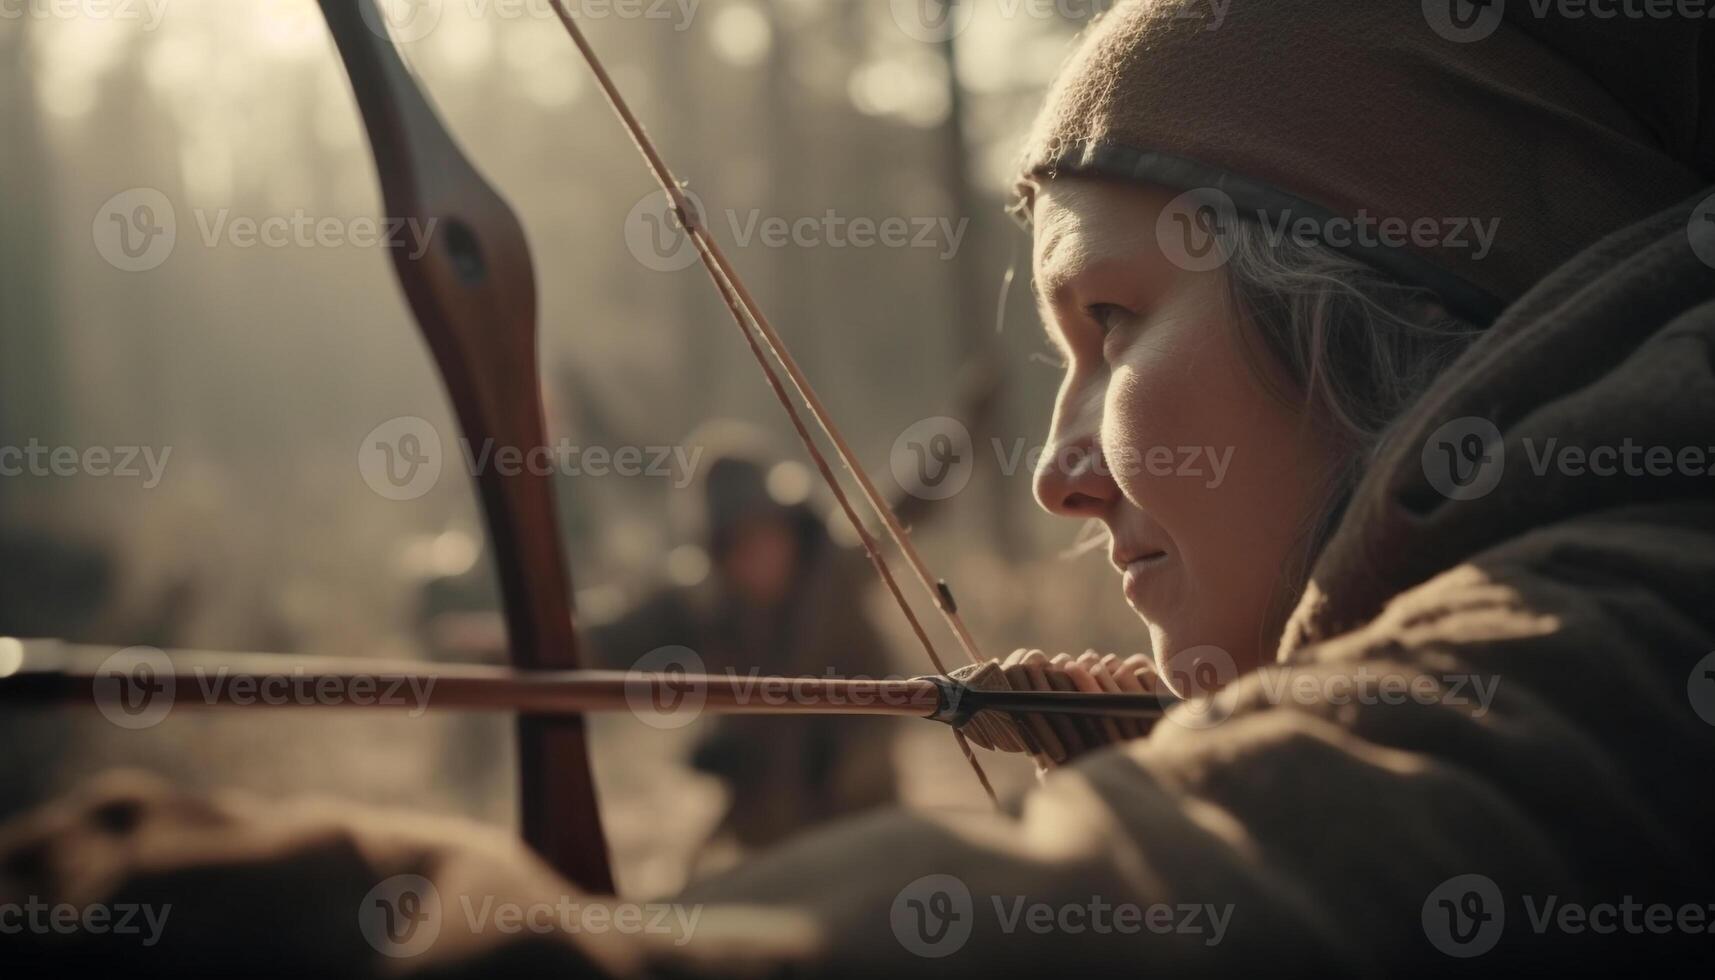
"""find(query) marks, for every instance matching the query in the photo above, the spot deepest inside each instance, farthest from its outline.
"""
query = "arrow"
(52, 674)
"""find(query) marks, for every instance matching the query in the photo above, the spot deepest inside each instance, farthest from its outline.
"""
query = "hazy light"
(841, 531)
(446, 555)
(687, 565)
(741, 35)
(545, 71)
(601, 604)
(74, 55)
(912, 88)
(206, 159)
(789, 483)
(288, 25)
(11, 656)
(173, 64)
(462, 46)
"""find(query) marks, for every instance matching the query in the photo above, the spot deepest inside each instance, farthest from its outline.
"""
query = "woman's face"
(1204, 477)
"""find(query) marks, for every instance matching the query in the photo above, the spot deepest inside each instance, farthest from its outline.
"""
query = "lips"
(1137, 567)
(1141, 557)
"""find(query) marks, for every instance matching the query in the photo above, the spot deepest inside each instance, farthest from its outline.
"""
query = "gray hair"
(1355, 347)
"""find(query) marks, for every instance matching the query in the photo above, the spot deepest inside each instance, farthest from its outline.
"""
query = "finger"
(1023, 677)
(1103, 683)
(1089, 733)
(1142, 667)
(1049, 678)
(1106, 729)
(1127, 681)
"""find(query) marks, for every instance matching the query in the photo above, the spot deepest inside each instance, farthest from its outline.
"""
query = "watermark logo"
(403, 21)
(136, 230)
(932, 21)
(135, 688)
(148, 13)
(404, 916)
(661, 690)
(48, 919)
(1197, 674)
(407, 21)
(1195, 229)
(1198, 229)
(1464, 916)
(1700, 688)
(933, 916)
(36, 459)
(1464, 21)
(936, 21)
(401, 916)
(1464, 459)
(301, 229)
(933, 459)
(657, 236)
(400, 459)
(1701, 231)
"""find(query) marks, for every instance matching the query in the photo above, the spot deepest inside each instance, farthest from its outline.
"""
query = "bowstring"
(764, 341)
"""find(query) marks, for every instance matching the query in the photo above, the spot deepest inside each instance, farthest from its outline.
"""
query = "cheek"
(1223, 466)
(1168, 393)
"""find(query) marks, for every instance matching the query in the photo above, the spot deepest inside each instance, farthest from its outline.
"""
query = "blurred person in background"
(767, 591)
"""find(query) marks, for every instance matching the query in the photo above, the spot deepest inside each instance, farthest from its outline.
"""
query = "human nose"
(1072, 479)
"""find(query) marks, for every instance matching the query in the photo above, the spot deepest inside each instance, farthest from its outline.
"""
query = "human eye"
(1109, 319)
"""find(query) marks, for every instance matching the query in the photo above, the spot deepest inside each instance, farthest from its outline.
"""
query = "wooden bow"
(474, 297)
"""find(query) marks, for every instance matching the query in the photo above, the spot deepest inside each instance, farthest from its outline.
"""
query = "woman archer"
(1442, 278)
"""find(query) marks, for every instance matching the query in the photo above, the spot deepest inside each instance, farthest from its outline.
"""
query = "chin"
(1197, 661)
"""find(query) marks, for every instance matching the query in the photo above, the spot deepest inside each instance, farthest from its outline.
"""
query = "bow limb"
(473, 293)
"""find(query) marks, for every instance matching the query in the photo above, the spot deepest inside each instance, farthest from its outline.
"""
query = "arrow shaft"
(52, 675)
(253, 681)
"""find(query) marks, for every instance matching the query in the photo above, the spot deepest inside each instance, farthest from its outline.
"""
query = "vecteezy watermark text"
(50, 918)
(407, 21)
(1196, 230)
(933, 21)
(1466, 915)
(404, 916)
(934, 916)
(35, 459)
(1464, 459)
(1465, 21)
(138, 230)
(402, 459)
(934, 459)
(148, 13)
(1196, 672)
(659, 240)
(137, 688)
